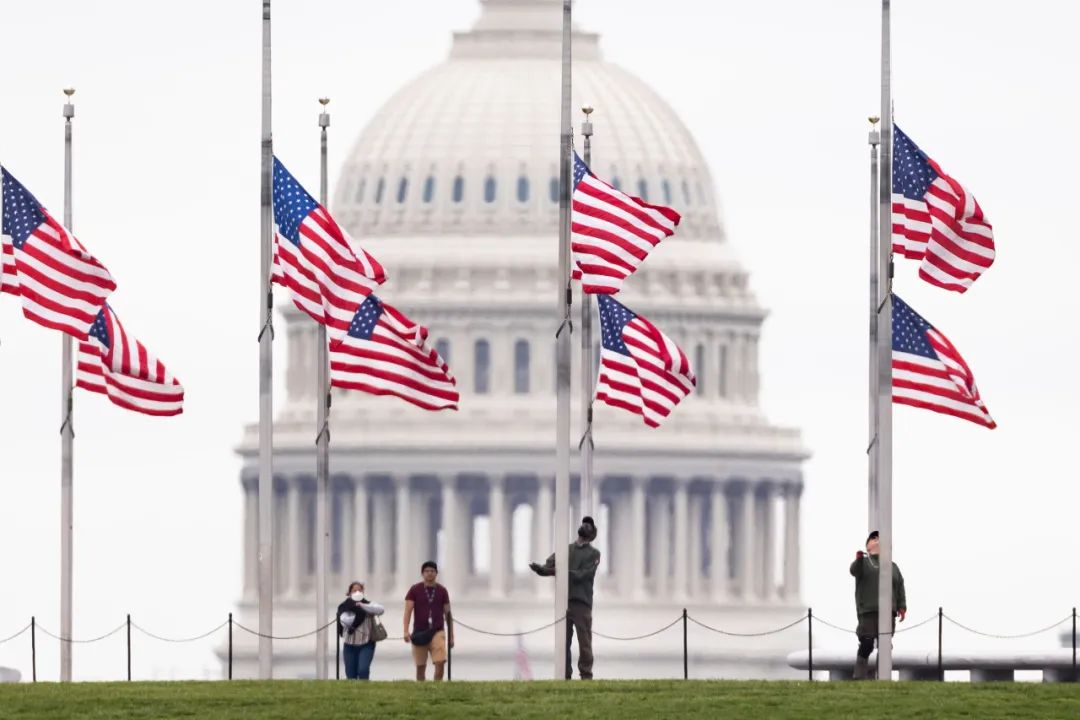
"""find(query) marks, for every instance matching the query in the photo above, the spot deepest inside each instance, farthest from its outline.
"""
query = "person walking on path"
(356, 628)
(432, 625)
(866, 570)
(583, 559)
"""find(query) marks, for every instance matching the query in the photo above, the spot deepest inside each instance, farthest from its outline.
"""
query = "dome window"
(616, 182)
(458, 193)
(482, 367)
(553, 189)
(643, 190)
(360, 192)
(442, 346)
(521, 367)
(666, 186)
(523, 189)
(402, 190)
(489, 189)
(379, 191)
(429, 189)
(686, 192)
(699, 370)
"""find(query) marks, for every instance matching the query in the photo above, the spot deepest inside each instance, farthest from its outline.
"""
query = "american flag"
(641, 369)
(329, 275)
(62, 286)
(928, 371)
(113, 363)
(936, 220)
(611, 232)
(386, 353)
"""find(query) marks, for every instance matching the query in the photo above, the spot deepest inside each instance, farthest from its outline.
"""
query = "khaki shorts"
(436, 650)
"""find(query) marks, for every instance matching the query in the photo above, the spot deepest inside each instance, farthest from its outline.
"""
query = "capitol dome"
(452, 186)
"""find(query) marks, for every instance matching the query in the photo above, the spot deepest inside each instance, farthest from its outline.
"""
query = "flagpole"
(67, 435)
(266, 376)
(587, 446)
(562, 345)
(875, 300)
(322, 452)
(884, 333)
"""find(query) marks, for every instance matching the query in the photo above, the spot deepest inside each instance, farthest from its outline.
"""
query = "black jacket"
(354, 607)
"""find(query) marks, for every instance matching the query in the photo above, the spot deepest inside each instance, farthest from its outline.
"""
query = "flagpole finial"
(324, 117)
(874, 119)
(324, 101)
(586, 127)
(69, 91)
(69, 109)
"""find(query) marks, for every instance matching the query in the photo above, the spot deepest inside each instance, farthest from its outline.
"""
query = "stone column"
(753, 379)
(542, 533)
(297, 539)
(681, 539)
(637, 530)
(420, 530)
(767, 535)
(498, 536)
(623, 544)
(696, 531)
(347, 517)
(360, 538)
(454, 540)
(660, 542)
(718, 543)
(735, 367)
(792, 496)
(382, 539)
(745, 543)
(404, 546)
(251, 539)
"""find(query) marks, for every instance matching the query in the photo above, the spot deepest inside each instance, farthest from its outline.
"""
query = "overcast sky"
(775, 92)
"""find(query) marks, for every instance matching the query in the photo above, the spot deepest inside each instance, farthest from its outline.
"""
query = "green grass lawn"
(294, 699)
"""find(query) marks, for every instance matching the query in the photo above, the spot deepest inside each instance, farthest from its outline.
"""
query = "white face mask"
(357, 596)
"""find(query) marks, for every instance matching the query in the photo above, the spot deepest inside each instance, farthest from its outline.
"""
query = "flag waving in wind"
(641, 369)
(936, 220)
(329, 275)
(611, 232)
(928, 371)
(113, 363)
(61, 285)
(386, 353)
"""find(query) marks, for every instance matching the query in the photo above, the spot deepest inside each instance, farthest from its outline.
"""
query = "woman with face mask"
(356, 628)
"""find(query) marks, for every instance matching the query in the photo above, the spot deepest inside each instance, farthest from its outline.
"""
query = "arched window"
(699, 369)
(523, 189)
(553, 189)
(643, 189)
(722, 374)
(458, 193)
(482, 367)
(666, 186)
(360, 191)
(402, 190)
(442, 346)
(521, 367)
(429, 189)
(379, 191)
(489, 189)
(616, 182)
(686, 192)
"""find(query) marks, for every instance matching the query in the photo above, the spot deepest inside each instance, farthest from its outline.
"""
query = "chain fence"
(684, 619)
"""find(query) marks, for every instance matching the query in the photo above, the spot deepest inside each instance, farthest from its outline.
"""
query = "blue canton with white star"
(580, 170)
(366, 318)
(291, 203)
(911, 170)
(100, 330)
(909, 331)
(22, 212)
(613, 318)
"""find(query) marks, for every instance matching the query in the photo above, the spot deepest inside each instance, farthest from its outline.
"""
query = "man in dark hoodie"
(583, 561)
(866, 570)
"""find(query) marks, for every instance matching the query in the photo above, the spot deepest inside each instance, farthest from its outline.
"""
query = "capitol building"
(453, 187)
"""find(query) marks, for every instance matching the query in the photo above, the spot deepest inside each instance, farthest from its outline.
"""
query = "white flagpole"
(884, 328)
(562, 345)
(266, 375)
(322, 451)
(875, 300)
(67, 436)
(586, 446)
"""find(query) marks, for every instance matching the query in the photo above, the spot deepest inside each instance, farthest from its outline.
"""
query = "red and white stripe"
(612, 233)
(946, 231)
(329, 275)
(396, 361)
(62, 286)
(652, 381)
(127, 373)
(946, 385)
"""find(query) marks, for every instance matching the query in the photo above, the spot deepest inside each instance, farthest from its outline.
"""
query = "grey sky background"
(776, 93)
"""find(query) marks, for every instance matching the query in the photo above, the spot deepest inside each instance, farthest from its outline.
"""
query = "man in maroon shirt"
(433, 626)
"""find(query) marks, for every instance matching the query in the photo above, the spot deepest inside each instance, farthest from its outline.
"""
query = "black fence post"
(685, 650)
(449, 661)
(129, 647)
(230, 646)
(337, 657)
(940, 660)
(1074, 646)
(810, 643)
(34, 646)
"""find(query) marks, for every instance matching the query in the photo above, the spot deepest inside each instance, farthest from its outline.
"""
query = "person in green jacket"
(866, 570)
(584, 559)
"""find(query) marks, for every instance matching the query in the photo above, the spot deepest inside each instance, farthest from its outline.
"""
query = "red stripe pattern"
(641, 369)
(62, 286)
(386, 353)
(113, 363)
(329, 275)
(928, 371)
(937, 221)
(611, 232)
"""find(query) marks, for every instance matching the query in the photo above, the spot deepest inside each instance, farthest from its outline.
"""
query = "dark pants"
(358, 660)
(579, 617)
(867, 632)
